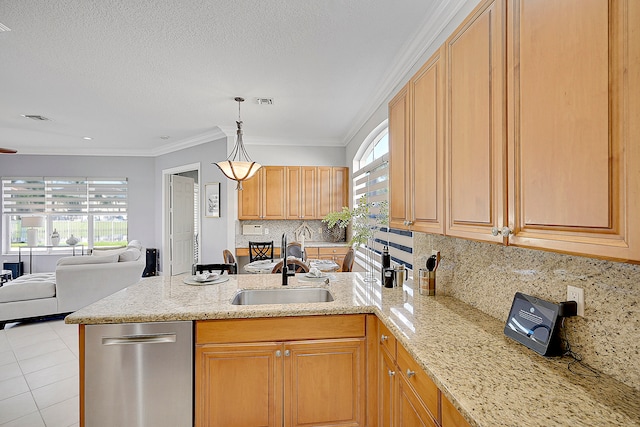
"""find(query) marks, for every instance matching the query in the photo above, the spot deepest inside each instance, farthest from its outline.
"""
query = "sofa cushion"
(87, 259)
(28, 287)
(107, 252)
(131, 254)
(135, 244)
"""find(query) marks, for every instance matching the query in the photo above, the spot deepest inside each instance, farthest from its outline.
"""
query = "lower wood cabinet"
(319, 382)
(407, 397)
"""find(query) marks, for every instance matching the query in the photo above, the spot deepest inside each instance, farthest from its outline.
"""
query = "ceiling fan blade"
(7, 151)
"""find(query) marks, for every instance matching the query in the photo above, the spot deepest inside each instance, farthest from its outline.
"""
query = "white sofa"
(77, 282)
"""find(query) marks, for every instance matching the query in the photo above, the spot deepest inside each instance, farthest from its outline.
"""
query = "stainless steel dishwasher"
(139, 375)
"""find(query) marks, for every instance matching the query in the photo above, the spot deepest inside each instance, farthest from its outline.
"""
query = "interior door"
(181, 224)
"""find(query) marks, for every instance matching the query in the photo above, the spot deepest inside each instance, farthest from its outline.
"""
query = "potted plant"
(363, 223)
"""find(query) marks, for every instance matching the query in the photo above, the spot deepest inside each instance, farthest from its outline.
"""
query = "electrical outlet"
(577, 295)
(266, 231)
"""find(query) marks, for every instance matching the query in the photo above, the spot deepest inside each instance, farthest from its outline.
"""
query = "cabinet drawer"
(387, 340)
(419, 380)
(334, 250)
(280, 329)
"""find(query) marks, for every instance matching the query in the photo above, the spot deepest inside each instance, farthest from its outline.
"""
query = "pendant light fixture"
(238, 166)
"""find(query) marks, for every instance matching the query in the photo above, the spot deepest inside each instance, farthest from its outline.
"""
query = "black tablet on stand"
(534, 322)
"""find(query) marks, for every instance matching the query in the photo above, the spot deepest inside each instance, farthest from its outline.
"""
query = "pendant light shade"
(238, 166)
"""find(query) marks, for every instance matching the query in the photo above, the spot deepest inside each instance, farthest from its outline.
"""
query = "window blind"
(61, 195)
(373, 181)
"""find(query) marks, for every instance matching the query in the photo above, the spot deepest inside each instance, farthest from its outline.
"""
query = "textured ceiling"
(127, 72)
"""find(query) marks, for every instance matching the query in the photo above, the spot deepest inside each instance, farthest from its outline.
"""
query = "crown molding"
(422, 43)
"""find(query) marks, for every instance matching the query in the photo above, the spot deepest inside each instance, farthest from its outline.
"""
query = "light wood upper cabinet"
(399, 168)
(250, 198)
(426, 152)
(573, 133)
(333, 189)
(302, 197)
(294, 192)
(475, 125)
(263, 196)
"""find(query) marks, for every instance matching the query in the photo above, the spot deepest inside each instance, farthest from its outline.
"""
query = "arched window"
(371, 179)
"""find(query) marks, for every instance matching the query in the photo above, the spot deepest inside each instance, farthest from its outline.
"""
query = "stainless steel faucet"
(285, 268)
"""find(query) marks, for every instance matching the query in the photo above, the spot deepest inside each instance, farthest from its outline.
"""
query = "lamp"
(30, 222)
(238, 166)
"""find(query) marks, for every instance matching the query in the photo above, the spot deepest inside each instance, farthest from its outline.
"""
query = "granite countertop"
(492, 380)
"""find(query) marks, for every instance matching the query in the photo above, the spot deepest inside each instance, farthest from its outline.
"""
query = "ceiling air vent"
(34, 117)
(266, 101)
(4, 27)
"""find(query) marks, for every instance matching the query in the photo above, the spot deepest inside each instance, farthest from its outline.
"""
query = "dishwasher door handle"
(140, 339)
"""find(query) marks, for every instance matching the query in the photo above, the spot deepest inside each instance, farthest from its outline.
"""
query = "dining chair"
(259, 251)
(228, 257)
(294, 249)
(347, 262)
(200, 268)
(292, 264)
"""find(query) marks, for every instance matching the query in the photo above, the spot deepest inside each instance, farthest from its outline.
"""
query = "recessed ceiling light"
(267, 101)
(88, 138)
(34, 117)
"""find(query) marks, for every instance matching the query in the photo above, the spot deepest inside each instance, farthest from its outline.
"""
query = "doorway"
(180, 219)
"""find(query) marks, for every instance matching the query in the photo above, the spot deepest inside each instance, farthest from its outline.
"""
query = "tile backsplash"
(276, 228)
(487, 276)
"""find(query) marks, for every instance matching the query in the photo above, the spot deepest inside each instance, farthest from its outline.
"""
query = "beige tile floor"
(39, 375)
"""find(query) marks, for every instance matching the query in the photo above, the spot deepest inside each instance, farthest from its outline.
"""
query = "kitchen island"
(489, 379)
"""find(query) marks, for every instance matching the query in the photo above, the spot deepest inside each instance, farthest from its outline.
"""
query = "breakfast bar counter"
(490, 379)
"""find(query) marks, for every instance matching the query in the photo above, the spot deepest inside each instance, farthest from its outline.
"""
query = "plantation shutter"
(373, 181)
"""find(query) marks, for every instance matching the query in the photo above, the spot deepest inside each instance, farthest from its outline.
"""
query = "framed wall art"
(212, 200)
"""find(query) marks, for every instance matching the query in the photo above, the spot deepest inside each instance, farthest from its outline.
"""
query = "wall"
(139, 171)
(487, 276)
(213, 234)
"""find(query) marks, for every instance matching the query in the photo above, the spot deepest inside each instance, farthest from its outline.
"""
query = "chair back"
(228, 257)
(347, 262)
(292, 264)
(259, 251)
(201, 268)
(294, 249)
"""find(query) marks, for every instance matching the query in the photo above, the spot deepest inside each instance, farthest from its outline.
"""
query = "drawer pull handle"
(287, 353)
(278, 353)
(410, 373)
(383, 338)
(391, 373)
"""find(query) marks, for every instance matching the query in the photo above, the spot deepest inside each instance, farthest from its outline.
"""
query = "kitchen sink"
(281, 296)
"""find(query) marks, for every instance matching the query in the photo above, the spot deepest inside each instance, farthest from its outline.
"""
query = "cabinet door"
(238, 385)
(386, 388)
(325, 383)
(340, 188)
(450, 415)
(308, 192)
(427, 146)
(573, 128)
(399, 169)
(474, 125)
(274, 197)
(324, 191)
(250, 197)
(294, 193)
(410, 412)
